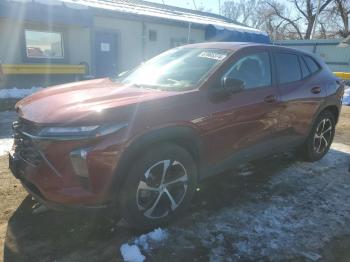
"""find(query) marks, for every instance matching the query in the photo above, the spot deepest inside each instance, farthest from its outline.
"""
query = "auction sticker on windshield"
(212, 55)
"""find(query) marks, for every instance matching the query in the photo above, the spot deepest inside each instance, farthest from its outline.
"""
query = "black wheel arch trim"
(321, 108)
(173, 134)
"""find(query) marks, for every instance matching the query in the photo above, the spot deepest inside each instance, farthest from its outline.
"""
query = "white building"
(45, 42)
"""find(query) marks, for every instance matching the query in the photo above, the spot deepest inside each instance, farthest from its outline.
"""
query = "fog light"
(78, 159)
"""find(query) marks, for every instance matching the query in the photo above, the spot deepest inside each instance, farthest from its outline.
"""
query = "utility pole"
(189, 33)
(194, 3)
(219, 7)
(316, 20)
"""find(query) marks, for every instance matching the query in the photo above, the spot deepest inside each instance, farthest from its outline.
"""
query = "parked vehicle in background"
(142, 142)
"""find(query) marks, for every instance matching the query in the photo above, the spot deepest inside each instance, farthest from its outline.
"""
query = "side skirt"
(243, 156)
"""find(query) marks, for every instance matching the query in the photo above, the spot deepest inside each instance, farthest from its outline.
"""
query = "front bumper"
(46, 168)
(20, 168)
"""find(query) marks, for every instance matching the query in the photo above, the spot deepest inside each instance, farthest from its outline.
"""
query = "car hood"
(81, 101)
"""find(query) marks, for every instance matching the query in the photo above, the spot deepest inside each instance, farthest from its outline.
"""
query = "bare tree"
(292, 19)
(334, 21)
(308, 9)
(270, 23)
(343, 10)
(328, 24)
(271, 16)
(242, 11)
(306, 14)
(283, 13)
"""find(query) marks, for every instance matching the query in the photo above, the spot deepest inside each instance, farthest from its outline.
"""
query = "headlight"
(80, 132)
(67, 131)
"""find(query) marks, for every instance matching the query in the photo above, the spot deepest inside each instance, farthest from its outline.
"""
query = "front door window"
(254, 70)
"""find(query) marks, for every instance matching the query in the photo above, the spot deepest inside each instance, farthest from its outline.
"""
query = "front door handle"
(270, 99)
(316, 90)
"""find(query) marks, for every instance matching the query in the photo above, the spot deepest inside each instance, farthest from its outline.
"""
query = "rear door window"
(288, 68)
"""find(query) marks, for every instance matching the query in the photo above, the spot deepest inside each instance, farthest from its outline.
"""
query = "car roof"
(223, 45)
(234, 46)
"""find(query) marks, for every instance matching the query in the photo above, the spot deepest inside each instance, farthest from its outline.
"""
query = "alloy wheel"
(162, 188)
(323, 135)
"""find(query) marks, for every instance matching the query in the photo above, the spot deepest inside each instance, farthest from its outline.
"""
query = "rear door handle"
(270, 99)
(316, 90)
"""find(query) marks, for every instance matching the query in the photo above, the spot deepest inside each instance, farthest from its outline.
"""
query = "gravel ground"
(292, 215)
(276, 209)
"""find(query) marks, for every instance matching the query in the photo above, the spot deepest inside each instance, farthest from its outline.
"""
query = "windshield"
(176, 70)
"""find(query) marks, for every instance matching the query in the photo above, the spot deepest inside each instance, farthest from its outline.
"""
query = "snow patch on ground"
(296, 213)
(5, 145)
(346, 97)
(133, 252)
(155, 236)
(18, 92)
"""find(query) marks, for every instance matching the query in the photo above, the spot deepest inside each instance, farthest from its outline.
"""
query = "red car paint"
(248, 123)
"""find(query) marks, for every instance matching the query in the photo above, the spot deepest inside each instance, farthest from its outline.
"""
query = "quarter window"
(288, 69)
(312, 65)
(46, 45)
(304, 69)
(254, 70)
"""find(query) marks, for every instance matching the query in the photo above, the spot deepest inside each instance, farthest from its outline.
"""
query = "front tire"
(159, 186)
(320, 137)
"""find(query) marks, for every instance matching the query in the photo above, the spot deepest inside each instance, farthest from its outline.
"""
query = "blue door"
(106, 54)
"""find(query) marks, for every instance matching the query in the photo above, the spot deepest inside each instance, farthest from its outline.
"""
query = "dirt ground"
(77, 236)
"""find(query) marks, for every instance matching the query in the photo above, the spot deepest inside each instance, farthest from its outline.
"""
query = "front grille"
(24, 146)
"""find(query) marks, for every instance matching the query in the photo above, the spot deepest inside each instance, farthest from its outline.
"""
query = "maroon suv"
(143, 141)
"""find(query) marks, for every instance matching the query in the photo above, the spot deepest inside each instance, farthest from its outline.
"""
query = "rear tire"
(320, 137)
(159, 186)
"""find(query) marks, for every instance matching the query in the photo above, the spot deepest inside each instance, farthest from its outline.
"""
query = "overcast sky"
(212, 5)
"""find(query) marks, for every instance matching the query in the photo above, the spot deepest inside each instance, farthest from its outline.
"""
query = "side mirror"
(232, 85)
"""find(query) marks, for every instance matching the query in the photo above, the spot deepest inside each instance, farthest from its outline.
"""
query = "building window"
(152, 35)
(45, 45)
